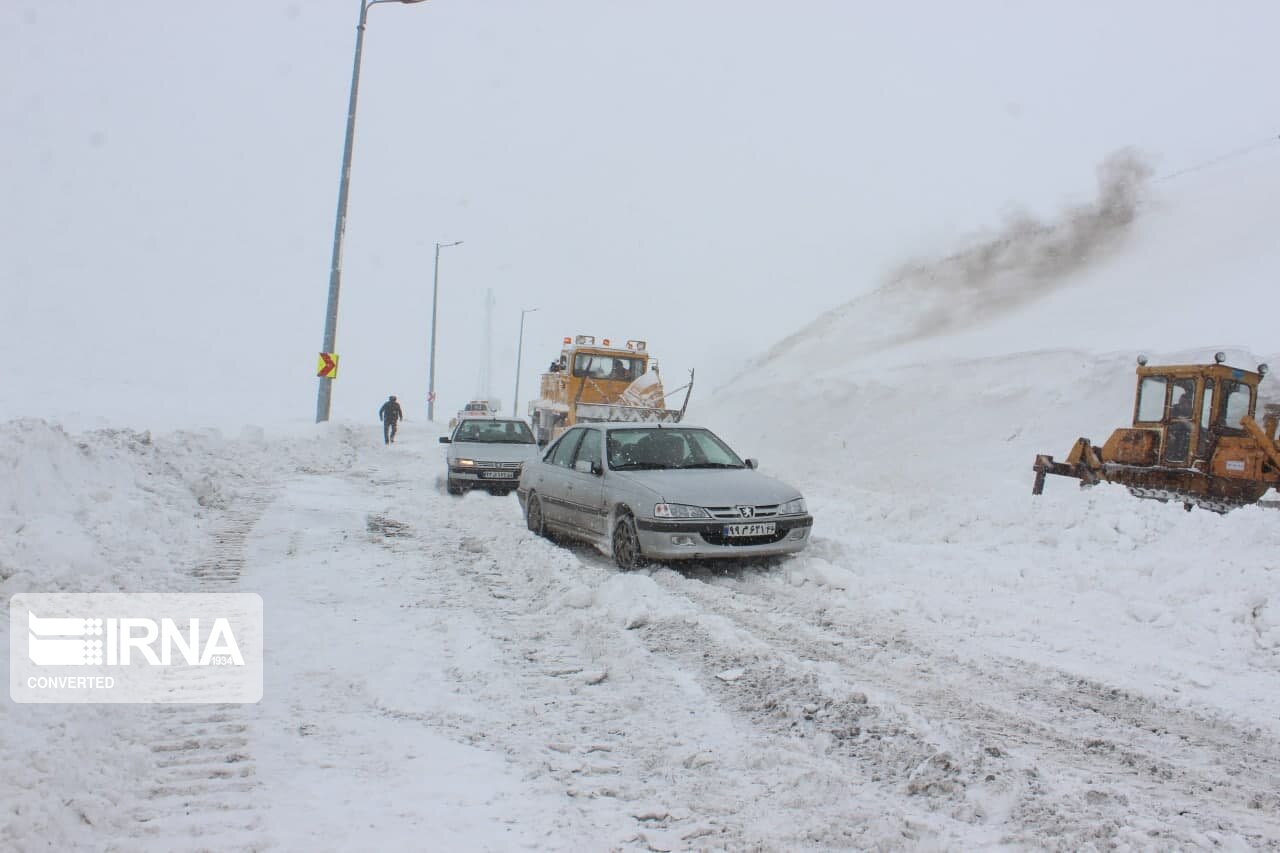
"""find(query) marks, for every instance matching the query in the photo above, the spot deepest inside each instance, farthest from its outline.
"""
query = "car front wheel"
(626, 544)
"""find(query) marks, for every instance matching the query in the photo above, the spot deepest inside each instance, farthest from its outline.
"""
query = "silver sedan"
(651, 491)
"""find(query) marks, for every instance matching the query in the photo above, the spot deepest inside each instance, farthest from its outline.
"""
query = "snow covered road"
(439, 678)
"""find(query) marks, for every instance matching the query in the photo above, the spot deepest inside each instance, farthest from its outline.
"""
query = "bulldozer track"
(202, 792)
(1189, 499)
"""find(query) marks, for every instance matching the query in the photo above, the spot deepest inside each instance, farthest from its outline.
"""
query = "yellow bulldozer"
(1194, 440)
(593, 383)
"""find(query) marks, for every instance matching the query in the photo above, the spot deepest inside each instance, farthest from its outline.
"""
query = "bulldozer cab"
(1184, 409)
(1193, 440)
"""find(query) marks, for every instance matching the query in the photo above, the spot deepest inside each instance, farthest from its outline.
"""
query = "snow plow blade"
(610, 412)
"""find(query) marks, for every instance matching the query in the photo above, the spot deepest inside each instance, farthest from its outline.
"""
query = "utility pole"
(515, 403)
(435, 304)
(325, 393)
(486, 379)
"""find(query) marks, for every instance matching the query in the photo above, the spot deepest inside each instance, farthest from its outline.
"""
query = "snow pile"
(911, 418)
(106, 511)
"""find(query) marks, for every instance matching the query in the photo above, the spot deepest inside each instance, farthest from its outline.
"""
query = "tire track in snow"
(1004, 725)
(605, 719)
(639, 752)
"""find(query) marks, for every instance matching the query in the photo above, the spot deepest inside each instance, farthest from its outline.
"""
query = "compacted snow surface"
(952, 664)
(939, 673)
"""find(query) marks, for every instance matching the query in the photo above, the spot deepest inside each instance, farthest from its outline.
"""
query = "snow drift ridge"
(1025, 260)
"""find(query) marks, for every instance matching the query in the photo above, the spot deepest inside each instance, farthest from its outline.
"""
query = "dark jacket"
(391, 411)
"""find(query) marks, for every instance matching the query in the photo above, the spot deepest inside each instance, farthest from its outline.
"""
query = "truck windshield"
(607, 366)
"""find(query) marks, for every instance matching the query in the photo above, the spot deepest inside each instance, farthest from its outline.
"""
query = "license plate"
(497, 475)
(764, 528)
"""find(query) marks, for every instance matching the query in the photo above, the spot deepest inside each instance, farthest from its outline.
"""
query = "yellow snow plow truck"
(594, 383)
(1194, 439)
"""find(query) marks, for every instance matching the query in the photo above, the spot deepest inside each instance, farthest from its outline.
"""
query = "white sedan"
(487, 454)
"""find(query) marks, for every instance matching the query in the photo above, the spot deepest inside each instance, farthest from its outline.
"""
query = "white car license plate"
(497, 475)
(764, 528)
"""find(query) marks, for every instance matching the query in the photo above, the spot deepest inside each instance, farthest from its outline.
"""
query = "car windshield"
(665, 449)
(494, 432)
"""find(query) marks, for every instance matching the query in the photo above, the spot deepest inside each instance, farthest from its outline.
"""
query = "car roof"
(624, 425)
(494, 420)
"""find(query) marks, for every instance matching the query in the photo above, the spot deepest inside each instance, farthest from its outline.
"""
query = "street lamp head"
(455, 242)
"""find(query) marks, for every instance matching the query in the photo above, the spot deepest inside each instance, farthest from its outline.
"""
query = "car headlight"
(466, 463)
(795, 507)
(679, 511)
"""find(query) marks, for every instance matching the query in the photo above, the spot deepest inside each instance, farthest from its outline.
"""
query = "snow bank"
(911, 418)
(105, 511)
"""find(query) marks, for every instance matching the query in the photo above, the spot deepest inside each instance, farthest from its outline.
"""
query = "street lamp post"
(340, 225)
(435, 302)
(515, 405)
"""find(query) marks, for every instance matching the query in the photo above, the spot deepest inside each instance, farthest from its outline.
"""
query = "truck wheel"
(626, 544)
(453, 488)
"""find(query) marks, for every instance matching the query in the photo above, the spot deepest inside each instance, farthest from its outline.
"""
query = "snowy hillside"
(952, 664)
(922, 405)
(1132, 268)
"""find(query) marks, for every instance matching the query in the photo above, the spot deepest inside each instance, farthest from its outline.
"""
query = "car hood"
(489, 452)
(714, 486)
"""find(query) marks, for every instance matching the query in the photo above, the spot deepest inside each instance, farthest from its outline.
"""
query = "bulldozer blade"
(1079, 471)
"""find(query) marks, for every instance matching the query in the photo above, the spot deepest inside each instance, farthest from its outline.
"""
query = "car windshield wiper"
(711, 465)
(640, 466)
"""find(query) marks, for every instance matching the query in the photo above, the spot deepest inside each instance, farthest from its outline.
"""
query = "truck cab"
(596, 382)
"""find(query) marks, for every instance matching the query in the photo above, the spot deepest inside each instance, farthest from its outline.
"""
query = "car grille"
(731, 512)
(481, 468)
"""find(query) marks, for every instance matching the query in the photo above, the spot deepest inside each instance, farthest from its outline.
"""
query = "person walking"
(390, 414)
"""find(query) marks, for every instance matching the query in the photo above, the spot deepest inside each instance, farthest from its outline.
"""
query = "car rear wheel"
(533, 515)
(626, 544)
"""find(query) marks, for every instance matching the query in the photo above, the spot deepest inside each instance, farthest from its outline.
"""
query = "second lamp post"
(435, 303)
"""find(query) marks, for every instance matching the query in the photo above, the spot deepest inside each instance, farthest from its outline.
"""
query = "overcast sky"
(705, 174)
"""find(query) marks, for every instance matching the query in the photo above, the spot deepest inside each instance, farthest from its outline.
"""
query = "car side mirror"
(444, 439)
(753, 464)
(582, 466)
